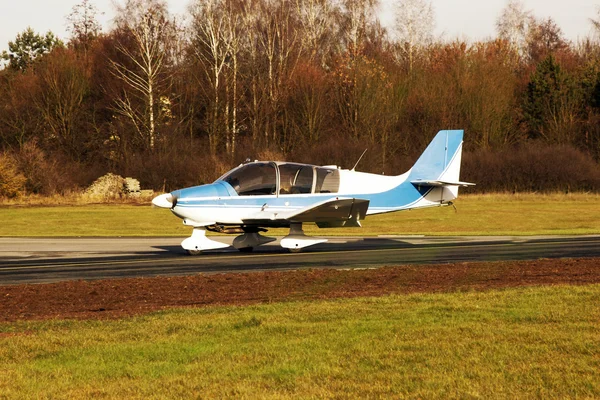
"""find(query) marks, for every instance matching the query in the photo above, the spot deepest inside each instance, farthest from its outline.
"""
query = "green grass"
(521, 214)
(541, 342)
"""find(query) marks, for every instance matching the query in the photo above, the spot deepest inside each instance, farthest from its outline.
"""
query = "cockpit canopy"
(269, 178)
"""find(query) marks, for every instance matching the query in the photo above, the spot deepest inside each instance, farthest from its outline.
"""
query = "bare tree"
(358, 14)
(514, 25)
(280, 44)
(148, 29)
(63, 89)
(272, 46)
(311, 93)
(234, 32)
(216, 29)
(545, 37)
(415, 21)
(19, 116)
(251, 17)
(84, 25)
(316, 17)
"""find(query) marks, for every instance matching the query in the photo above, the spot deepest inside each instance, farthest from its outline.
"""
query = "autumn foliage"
(311, 81)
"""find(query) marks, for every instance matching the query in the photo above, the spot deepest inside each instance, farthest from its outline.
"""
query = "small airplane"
(265, 194)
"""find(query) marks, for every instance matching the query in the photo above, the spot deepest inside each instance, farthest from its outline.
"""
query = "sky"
(470, 20)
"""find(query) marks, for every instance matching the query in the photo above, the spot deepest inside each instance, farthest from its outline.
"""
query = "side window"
(304, 179)
(254, 179)
(295, 179)
(328, 180)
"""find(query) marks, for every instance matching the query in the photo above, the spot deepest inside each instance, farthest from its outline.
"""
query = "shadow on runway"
(335, 244)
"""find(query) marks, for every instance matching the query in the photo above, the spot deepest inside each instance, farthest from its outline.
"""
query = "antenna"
(359, 158)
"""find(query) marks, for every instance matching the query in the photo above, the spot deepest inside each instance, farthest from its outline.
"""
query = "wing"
(334, 212)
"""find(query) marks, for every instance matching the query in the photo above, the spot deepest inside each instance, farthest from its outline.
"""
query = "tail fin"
(439, 165)
(434, 161)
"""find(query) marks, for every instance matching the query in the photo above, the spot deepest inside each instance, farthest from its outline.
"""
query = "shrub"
(45, 175)
(12, 183)
(109, 186)
(182, 165)
(532, 167)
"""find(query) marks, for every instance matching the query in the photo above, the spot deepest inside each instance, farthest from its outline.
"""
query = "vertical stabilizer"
(437, 171)
(441, 159)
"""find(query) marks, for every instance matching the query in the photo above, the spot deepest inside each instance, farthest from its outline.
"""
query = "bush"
(12, 183)
(532, 167)
(109, 186)
(46, 175)
(183, 165)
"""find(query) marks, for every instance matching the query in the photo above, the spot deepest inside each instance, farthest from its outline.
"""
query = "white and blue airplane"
(265, 194)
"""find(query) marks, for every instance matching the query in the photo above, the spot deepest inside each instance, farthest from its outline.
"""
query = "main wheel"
(296, 250)
(194, 252)
(246, 249)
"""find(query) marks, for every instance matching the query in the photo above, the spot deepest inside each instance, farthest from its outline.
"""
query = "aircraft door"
(295, 179)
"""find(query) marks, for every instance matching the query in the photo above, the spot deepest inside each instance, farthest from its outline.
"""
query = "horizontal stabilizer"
(437, 183)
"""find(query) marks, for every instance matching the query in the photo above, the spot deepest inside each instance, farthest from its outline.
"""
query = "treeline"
(176, 102)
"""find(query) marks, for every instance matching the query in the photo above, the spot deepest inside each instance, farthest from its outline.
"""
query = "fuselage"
(222, 203)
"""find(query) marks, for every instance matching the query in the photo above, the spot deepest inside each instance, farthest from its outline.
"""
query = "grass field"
(541, 342)
(501, 214)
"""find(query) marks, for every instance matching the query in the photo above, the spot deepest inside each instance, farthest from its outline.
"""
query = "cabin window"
(254, 179)
(295, 179)
(328, 180)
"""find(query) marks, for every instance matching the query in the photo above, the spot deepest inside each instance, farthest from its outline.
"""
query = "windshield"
(254, 179)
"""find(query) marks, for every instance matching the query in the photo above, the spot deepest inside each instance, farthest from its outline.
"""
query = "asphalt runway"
(26, 260)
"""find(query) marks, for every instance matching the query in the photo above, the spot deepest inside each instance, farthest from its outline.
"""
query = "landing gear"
(198, 242)
(250, 239)
(297, 240)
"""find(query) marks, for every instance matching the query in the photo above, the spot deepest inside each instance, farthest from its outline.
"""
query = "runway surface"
(26, 260)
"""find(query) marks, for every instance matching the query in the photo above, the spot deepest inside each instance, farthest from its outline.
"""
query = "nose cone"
(163, 201)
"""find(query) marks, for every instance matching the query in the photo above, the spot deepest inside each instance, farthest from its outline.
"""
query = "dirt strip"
(116, 298)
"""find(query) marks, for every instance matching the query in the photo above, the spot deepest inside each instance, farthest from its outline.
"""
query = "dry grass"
(74, 198)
